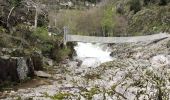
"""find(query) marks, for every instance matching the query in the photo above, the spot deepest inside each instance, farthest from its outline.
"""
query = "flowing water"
(92, 55)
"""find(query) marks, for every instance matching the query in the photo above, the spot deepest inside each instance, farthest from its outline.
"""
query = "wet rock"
(15, 68)
(79, 62)
(42, 74)
(8, 69)
(37, 59)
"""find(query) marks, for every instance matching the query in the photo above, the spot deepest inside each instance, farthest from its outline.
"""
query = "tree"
(38, 9)
(13, 4)
(135, 5)
(163, 2)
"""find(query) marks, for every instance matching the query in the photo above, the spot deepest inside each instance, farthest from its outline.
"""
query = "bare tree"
(13, 4)
(39, 7)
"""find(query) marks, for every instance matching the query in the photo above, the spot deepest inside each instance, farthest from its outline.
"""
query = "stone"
(6, 50)
(42, 74)
(159, 60)
(98, 97)
(15, 68)
(5, 57)
(79, 62)
(22, 68)
(48, 61)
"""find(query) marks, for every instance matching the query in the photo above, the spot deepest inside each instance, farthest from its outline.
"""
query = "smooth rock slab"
(42, 74)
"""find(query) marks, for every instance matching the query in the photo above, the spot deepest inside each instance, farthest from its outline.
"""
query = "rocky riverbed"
(139, 71)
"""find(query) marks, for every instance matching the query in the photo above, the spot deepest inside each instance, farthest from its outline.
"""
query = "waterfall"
(92, 54)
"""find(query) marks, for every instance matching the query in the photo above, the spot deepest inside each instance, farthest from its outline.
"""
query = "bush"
(41, 33)
(61, 54)
(149, 21)
(46, 48)
(143, 22)
(14, 2)
(5, 41)
(135, 5)
(2, 30)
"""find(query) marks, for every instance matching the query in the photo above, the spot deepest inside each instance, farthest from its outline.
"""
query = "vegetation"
(41, 33)
(89, 94)
(118, 18)
(59, 96)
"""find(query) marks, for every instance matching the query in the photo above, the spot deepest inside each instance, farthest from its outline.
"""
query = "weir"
(95, 39)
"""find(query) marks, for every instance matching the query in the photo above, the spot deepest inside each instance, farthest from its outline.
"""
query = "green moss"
(59, 96)
(2, 30)
(89, 94)
(93, 76)
(19, 98)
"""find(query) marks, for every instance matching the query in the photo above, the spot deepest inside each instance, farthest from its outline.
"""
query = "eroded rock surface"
(139, 72)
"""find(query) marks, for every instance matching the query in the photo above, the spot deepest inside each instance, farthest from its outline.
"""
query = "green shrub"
(61, 54)
(143, 21)
(46, 48)
(41, 33)
(150, 20)
(5, 41)
(2, 30)
(135, 5)
(14, 2)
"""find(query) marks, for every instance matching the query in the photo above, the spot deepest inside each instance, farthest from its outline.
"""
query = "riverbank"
(139, 71)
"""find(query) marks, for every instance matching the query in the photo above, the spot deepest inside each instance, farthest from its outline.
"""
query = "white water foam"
(92, 54)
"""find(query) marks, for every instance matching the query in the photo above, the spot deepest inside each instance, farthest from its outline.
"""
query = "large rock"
(37, 59)
(15, 68)
(159, 61)
(24, 68)
(8, 69)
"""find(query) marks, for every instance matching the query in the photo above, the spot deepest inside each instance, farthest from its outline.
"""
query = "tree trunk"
(36, 17)
(8, 25)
